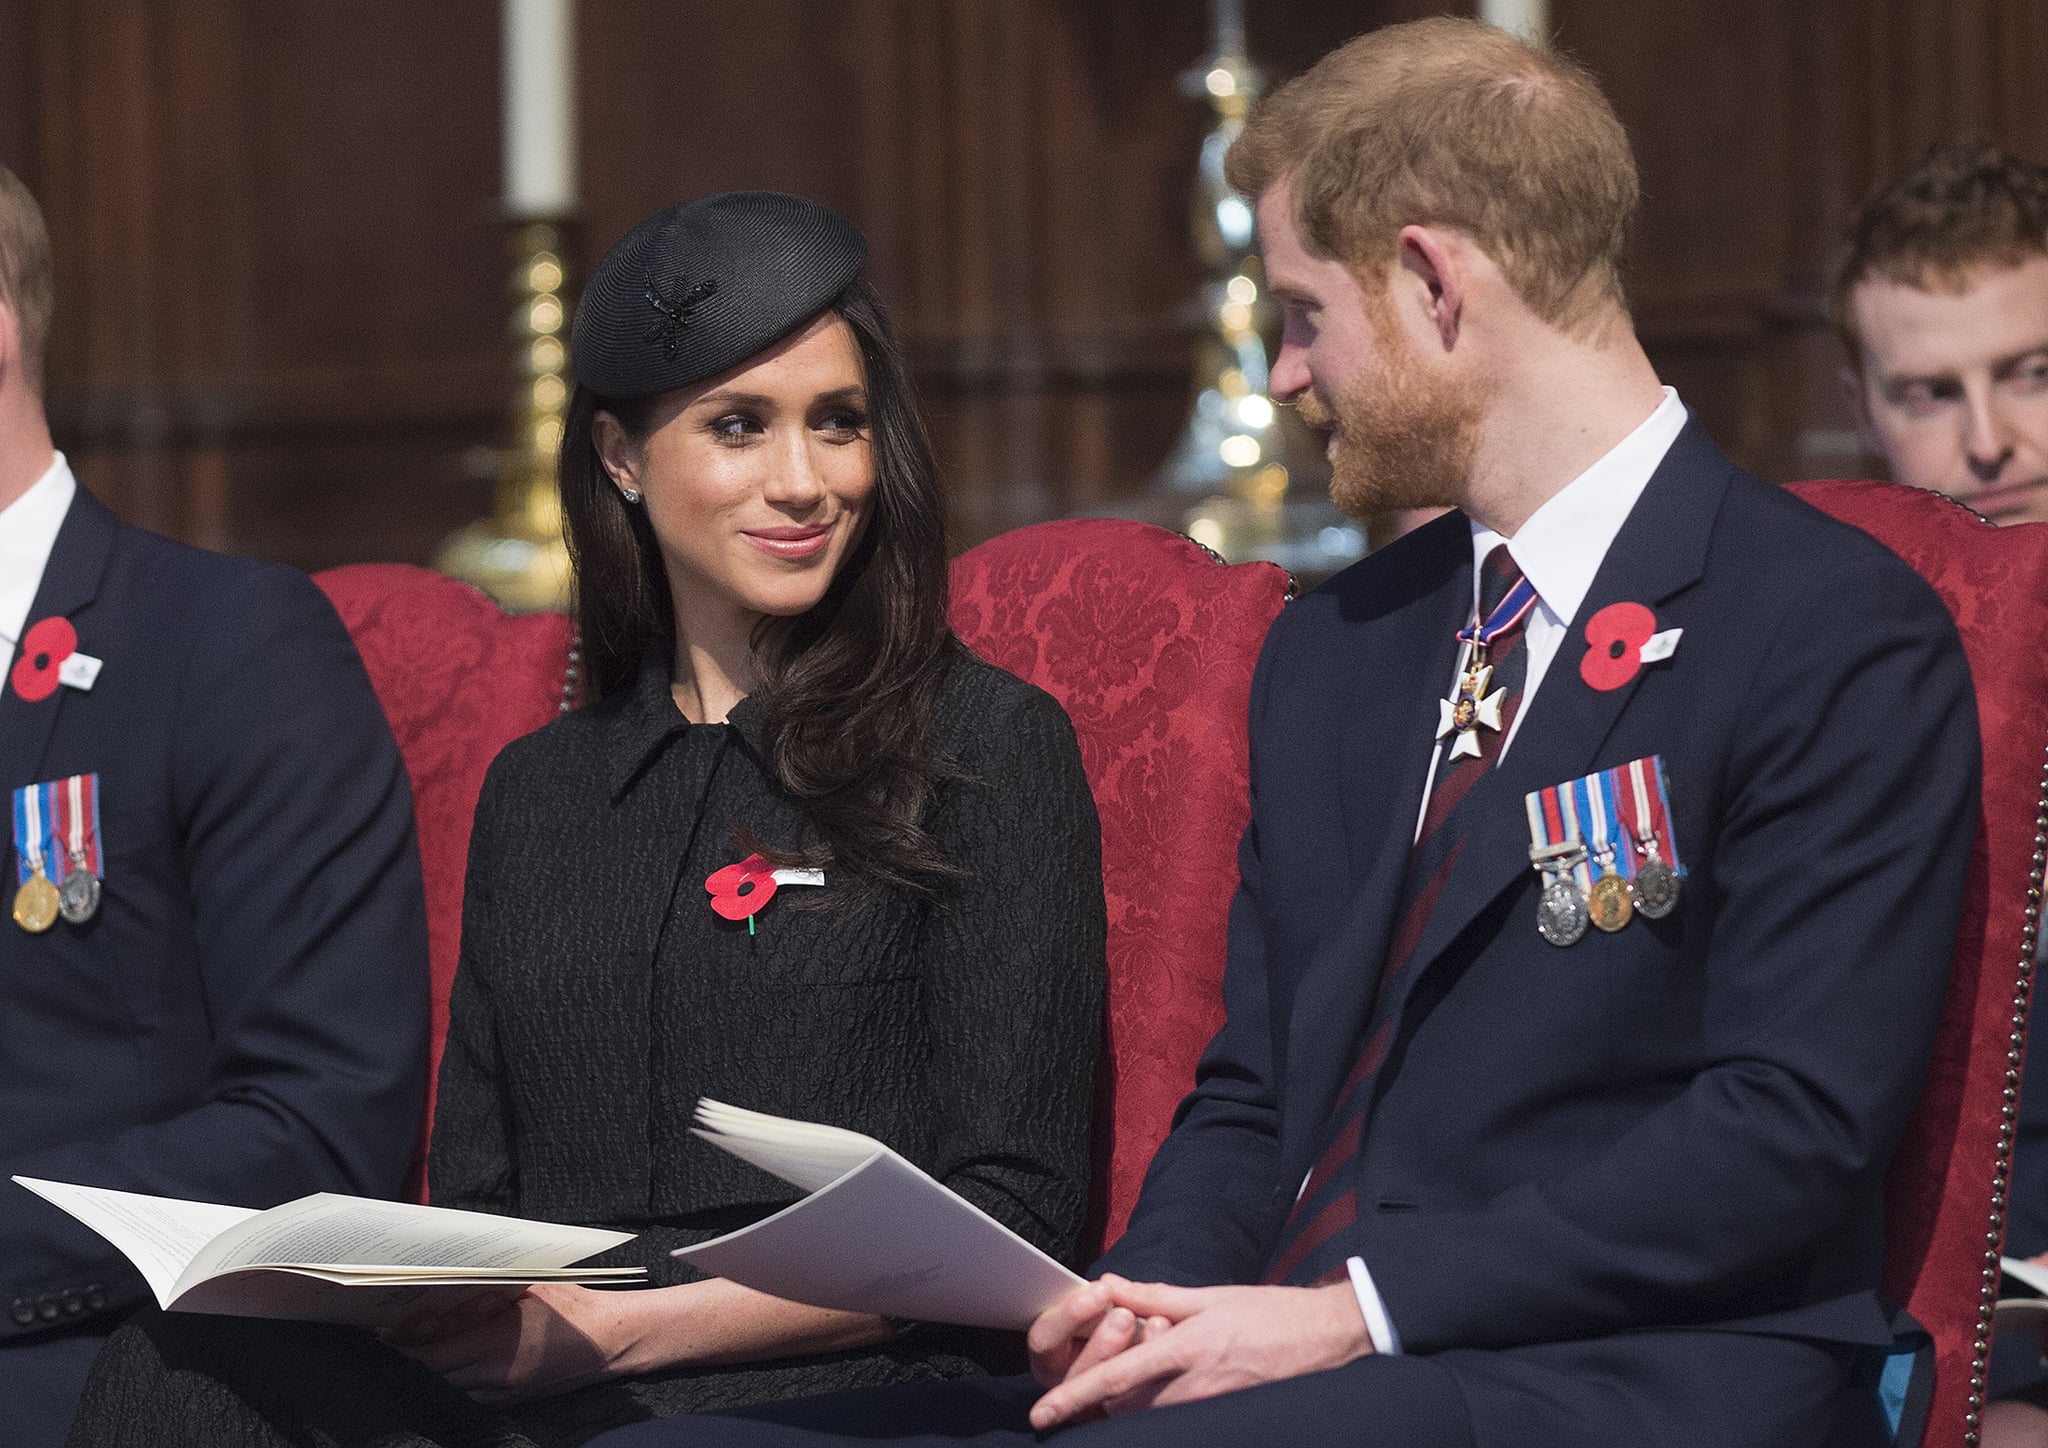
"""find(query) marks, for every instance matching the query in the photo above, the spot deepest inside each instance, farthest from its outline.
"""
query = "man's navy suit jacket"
(1686, 1122)
(245, 1019)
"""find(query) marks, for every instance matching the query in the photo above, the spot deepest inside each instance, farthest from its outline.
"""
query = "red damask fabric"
(1149, 644)
(459, 679)
(1953, 1160)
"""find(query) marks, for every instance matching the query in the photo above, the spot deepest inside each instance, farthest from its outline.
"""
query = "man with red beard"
(1607, 844)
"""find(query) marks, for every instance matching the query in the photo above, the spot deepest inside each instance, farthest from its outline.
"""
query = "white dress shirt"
(28, 531)
(1559, 550)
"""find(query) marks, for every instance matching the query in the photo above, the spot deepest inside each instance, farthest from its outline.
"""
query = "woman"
(761, 591)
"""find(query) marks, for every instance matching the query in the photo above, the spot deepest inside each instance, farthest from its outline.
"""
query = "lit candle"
(1529, 19)
(540, 108)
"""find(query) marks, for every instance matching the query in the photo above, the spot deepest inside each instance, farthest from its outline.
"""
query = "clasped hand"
(1114, 1345)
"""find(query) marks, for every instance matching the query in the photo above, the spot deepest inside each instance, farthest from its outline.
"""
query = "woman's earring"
(631, 495)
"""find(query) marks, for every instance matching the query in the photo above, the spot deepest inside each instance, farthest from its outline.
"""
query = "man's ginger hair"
(1967, 206)
(1454, 123)
(25, 281)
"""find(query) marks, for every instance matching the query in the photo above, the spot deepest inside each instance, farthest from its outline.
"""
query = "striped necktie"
(1308, 1249)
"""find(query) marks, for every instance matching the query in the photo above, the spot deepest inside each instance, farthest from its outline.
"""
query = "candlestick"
(517, 555)
(540, 108)
(1529, 19)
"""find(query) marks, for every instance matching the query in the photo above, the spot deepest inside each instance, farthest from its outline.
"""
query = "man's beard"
(1406, 437)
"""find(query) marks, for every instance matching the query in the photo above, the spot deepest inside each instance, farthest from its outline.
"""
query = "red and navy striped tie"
(1309, 1247)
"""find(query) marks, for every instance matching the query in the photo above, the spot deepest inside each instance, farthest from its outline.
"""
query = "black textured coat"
(598, 996)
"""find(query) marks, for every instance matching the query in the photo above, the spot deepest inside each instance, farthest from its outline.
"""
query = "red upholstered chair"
(1946, 1202)
(1148, 641)
(459, 679)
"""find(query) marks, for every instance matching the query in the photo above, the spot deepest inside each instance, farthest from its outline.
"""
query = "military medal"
(36, 902)
(1470, 708)
(1645, 802)
(1561, 915)
(57, 829)
(1603, 844)
(78, 819)
(1609, 902)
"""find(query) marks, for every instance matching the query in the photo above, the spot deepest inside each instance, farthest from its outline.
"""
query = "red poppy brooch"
(1620, 639)
(45, 647)
(742, 891)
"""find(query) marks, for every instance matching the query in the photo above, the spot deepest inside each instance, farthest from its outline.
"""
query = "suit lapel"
(1659, 552)
(1404, 657)
(71, 582)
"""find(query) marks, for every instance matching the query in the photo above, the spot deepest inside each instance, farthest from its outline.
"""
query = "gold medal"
(1609, 902)
(36, 904)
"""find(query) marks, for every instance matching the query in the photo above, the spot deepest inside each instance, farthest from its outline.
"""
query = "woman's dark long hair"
(847, 689)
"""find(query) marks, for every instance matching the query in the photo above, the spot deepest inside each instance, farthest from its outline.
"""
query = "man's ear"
(1851, 382)
(1428, 259)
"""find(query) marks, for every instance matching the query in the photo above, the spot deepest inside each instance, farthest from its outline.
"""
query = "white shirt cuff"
(1378, 1326)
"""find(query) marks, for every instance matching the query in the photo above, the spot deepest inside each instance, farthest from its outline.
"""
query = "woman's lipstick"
(794, 544)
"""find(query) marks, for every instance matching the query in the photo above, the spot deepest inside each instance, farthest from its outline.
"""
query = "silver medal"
(1561, 915)
(1656, 887)
(78, 898)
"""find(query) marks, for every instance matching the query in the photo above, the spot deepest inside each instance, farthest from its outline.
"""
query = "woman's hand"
(555, 1338)
(549, 1339)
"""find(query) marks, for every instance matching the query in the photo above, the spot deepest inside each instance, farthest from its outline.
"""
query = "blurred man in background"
(1941, 298)
(213, 984)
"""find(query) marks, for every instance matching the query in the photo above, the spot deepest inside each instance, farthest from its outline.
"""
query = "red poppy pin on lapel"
(1620, 639)
(44, 649)
(740, 892)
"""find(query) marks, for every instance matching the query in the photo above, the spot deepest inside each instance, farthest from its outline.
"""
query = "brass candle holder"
(517, 555)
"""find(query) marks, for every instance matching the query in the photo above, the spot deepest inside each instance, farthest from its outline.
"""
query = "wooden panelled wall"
(281, 301)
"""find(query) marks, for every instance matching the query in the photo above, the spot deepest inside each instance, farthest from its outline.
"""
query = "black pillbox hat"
(701, 287)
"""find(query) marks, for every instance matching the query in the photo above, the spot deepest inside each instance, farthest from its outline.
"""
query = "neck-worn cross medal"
(1470, 708)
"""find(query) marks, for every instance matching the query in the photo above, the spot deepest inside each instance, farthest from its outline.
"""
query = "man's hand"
(1129, 1345)
(1084, 1328)
(549, 1339)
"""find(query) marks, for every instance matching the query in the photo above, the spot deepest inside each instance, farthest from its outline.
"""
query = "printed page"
(887, 1239)
(354, 1231)
(160, 1235)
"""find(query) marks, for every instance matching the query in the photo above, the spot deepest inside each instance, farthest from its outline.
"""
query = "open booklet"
(330, 1258)
(874, 1234)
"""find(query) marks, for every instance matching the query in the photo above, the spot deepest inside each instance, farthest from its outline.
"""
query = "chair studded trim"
(2008, 1117)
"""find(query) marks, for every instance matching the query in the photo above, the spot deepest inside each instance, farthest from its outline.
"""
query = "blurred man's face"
(1954, 387)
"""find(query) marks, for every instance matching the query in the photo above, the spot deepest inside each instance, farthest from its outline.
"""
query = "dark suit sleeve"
(1834, 886)
(306, 910)
(1210, 1203)
(1012, 964)
(469, 1164)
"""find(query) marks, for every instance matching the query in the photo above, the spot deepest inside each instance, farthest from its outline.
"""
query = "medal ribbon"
(1646, 798)
(1506, 614)
(1554, 820)
(1624, 807)
(31, 802)
(78, 821)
